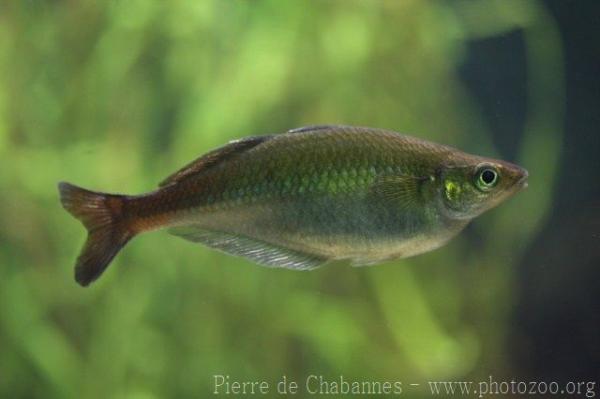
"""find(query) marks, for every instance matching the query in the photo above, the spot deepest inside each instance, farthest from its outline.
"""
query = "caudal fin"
(102, 215)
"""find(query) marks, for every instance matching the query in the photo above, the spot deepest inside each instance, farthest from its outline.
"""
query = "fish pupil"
(488, 176)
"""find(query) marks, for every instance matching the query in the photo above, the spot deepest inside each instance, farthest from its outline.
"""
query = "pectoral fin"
(403, 190)
(260, 252)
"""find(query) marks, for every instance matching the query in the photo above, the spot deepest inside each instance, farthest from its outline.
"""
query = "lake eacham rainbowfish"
(302, 198)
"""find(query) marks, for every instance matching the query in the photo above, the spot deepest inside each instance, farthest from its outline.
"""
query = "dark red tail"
(102, 215)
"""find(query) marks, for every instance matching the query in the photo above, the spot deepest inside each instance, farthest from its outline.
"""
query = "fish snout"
(515, 176)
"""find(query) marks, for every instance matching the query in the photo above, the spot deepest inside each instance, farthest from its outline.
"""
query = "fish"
(303, 198)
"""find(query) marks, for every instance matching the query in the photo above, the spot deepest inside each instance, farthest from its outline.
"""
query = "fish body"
(305, 197)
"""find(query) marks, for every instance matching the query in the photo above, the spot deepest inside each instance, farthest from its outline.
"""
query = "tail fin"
(102, 215)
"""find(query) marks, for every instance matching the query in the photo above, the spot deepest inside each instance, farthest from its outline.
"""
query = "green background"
(114, 96)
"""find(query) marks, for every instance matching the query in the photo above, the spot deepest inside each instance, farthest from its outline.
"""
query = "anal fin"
(257, 251)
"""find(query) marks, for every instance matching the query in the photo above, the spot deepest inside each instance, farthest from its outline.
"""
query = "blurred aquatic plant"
(115, 95)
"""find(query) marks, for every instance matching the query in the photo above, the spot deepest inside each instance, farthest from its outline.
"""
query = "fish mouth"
(522, 182)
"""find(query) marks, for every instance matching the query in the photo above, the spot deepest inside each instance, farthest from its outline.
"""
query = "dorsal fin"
(318, 127)
(213, 158)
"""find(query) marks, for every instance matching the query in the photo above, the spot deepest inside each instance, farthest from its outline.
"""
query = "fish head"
(471, 188)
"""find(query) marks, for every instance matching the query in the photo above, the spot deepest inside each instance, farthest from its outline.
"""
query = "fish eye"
(487, 177)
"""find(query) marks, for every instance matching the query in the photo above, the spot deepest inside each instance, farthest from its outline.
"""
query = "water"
(115, 97)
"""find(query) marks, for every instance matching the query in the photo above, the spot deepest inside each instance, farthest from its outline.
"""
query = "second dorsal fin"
(213, 158)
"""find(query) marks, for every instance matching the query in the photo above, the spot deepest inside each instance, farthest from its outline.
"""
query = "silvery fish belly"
(303, 198)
